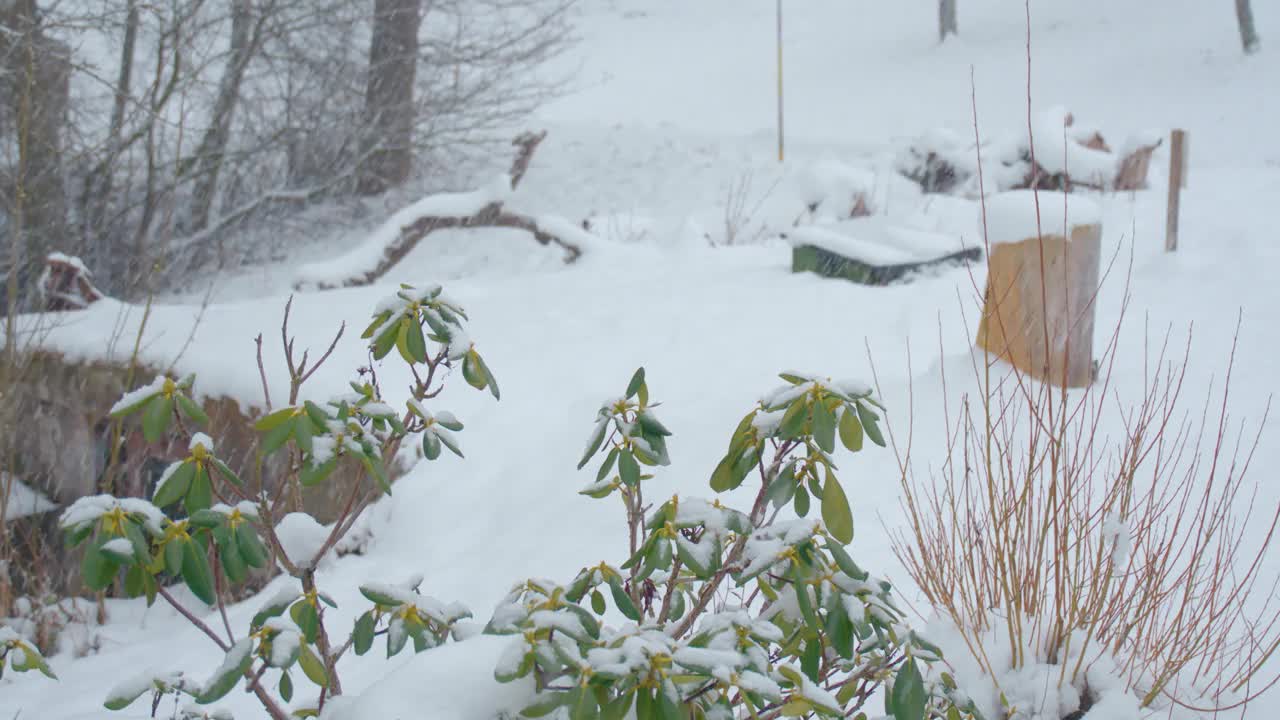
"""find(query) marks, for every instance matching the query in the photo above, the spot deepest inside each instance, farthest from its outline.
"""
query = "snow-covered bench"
(872, 251)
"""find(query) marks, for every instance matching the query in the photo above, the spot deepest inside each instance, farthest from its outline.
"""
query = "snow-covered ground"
(673, 108)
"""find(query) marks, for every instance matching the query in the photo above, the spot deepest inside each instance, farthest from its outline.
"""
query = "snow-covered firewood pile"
(1054, 153)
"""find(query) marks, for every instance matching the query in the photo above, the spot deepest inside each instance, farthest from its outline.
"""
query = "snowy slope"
(675, 105)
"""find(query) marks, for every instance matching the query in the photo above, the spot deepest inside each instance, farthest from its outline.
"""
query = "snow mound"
(301, 538)
(1059, 151)
(1021, 214)
(23, 500)
(461, 687)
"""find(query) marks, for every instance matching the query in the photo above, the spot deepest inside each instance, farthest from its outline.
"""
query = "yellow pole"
(781, 153)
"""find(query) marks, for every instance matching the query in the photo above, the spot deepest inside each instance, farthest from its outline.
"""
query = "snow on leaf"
(378, 410)
(767, 422)
(88, 509)
(287, 641)
(707, 660)
(816, 695)
(323, 448)
(565, 622)
(134, 397)
(118, 546)
(228, 673)
(512, 657)
(444, 417)
(124, 692)
(419, 409)
(763, 685)
(785, 395)
(244, 507)
(854, 388)
(398, 594)
(702, 552)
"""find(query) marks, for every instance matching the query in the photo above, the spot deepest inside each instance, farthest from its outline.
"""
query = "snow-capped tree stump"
(1041, 285)
(66, 284)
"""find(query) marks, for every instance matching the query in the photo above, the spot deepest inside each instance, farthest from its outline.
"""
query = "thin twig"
(163, 592)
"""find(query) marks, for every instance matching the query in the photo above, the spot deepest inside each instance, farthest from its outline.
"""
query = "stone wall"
(56, 435)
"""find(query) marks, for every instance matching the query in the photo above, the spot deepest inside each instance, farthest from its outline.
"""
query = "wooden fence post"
(1177, 179)
(1039, 309)
(781, 134)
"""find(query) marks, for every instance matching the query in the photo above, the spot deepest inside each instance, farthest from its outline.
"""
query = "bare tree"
(1248, 31)
(246, 36)
(947, 23)
(98, 184)
(34, 80)
(219, 131)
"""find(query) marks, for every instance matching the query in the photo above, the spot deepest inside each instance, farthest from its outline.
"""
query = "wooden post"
(1186, 157)
(1041, 322)
(781, 148)
(1177, 178)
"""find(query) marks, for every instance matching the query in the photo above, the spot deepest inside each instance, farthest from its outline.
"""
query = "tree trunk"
(35, 74)
(124, 82)
(1248, 32)
(209, 155)
(99, 184)
(390, 113)
(947, 23)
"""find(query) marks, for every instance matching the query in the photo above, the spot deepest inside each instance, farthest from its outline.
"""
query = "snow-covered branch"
(485, 207)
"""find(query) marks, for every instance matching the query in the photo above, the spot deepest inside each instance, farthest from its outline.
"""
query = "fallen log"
(482, 208)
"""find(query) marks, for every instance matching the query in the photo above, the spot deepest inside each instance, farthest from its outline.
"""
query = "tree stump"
(66, 284)
(1042, 322)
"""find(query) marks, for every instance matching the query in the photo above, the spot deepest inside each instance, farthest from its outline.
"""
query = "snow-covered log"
(398, 236)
